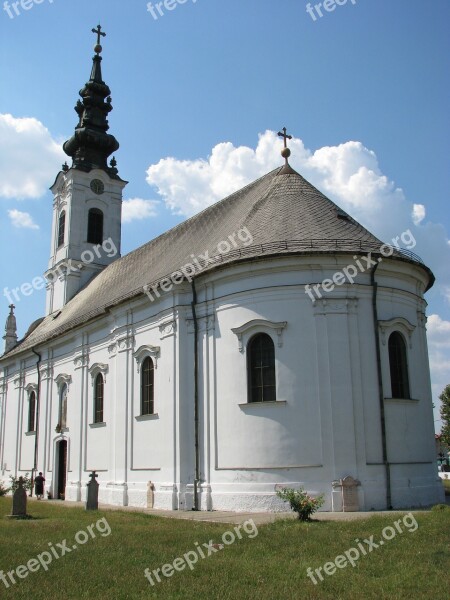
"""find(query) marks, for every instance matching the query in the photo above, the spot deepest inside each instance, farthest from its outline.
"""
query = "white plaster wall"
(326, 426)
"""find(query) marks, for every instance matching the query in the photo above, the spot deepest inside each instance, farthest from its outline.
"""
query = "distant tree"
(445, 415)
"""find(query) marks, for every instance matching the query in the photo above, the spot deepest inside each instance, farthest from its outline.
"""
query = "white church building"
(268, 341)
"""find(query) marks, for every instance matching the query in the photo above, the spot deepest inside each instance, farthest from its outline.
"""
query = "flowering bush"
(15, 482)
(301, 502)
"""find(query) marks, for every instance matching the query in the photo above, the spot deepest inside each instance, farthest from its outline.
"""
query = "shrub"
(438, 507)
(3, 490)
(301, 502)
(15, 482)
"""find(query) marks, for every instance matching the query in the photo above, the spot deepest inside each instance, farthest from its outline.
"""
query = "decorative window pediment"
(399, 323)
(62, 379)
(262, 325)
(144, 351)
(31, 387)
(96, 369)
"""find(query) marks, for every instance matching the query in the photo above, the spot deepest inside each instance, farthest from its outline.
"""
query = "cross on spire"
(285, 153)
(100, 34)
(285, 135)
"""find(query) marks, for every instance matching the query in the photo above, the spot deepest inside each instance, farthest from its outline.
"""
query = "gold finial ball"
(98, 48)
(285, 153)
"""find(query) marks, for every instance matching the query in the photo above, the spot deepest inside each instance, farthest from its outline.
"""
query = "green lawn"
(272, 565)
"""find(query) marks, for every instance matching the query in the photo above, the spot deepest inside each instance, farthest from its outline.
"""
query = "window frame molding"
(62, 213)
(95, 399)
(144, 356)
(62, 380)
(251, 338)
(396, 324)
(407, 366)
(244, 405)
(251, 328)
(149, 417)
(98, 369)
(153, 352)
(97, 425)
(31, 388)
(94, 371)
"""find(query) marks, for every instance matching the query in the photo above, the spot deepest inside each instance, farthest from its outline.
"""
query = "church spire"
(10, 336)
(90, 146)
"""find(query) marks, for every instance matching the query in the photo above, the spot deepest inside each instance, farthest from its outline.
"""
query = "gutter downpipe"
(196, 408)
(38, 401)
(380, 388)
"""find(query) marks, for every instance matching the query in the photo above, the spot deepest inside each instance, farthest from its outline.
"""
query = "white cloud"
(188, 186)
(438, 331)
(348, 173)
(29, 157)
(418, 213)
(136, 209)
(22, 220)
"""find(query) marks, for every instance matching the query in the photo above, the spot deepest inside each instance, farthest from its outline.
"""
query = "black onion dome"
(91, 145)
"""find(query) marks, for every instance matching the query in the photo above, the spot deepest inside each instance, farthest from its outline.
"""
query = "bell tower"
(87, 205)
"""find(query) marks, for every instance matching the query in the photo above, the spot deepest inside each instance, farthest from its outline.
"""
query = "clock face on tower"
(97, 186)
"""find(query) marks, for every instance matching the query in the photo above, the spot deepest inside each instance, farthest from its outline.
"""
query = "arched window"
(61, 229)
(399, 366)
(261, 369)
(98, 398)
(95, 226)
(63, 406)
(32, 412)
(147, 387)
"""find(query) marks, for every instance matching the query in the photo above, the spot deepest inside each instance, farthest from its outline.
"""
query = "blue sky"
(364, 87)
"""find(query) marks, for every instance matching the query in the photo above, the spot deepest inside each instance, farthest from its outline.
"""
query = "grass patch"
(272, 565)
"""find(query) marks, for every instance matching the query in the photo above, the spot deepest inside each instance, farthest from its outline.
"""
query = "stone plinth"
(348, 488)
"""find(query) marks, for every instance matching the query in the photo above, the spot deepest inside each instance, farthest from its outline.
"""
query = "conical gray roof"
(284, 214)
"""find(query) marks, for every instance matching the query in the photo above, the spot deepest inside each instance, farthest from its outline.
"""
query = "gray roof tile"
(284, 213)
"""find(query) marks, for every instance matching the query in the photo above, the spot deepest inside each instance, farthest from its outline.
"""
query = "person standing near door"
(39, 486)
